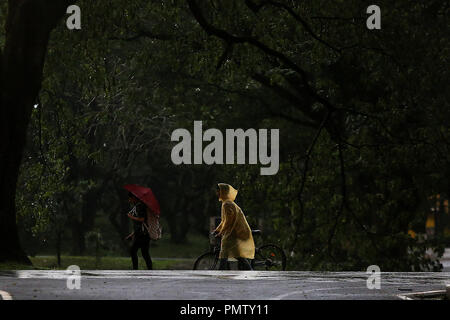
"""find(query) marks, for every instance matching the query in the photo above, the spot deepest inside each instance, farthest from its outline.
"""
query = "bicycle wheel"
(207, 261)
(269, 257)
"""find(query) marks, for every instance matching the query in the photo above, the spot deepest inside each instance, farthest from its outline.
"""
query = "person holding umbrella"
(142, 200)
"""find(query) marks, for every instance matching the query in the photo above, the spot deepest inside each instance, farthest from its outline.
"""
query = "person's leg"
(145, 246)
(243, 264)
(223, 264)
(133, 251)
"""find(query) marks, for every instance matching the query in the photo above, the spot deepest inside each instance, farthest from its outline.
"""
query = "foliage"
(362, 117)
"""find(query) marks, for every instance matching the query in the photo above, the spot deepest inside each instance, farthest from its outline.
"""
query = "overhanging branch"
(303, 23)
(144, 34)
(229, 38)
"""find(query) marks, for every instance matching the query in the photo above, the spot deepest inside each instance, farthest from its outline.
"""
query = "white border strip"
(5, 295)
(418, 295)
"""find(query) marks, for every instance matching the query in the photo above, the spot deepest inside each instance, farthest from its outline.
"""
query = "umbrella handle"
(132, 211)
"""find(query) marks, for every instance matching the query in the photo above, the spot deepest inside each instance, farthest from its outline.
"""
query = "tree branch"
(285, 94)
(305, 172)
(229, 38)
(303, 23)
(146, 34)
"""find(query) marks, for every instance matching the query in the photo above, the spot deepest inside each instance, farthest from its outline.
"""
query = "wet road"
(212, 285)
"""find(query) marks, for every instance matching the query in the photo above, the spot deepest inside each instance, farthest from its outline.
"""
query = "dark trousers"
(243, 264)
(141, 242)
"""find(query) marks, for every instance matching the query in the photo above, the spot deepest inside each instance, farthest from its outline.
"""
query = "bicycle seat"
(256, 232)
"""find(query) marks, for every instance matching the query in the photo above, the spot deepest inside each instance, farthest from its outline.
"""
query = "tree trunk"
(118, 218)
(28, 26)
(58, 248)
(83, 226)
(78, 238)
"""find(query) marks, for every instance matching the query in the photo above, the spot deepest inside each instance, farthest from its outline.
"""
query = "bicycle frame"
(263, 261)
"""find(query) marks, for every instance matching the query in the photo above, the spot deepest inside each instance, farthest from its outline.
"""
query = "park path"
(212, 285)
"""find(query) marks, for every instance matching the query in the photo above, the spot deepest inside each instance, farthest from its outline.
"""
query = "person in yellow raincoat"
(237, 239)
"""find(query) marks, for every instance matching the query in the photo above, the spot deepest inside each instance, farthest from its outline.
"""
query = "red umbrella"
(145, 195)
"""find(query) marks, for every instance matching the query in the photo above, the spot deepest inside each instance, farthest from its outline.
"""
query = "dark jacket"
(140, 212)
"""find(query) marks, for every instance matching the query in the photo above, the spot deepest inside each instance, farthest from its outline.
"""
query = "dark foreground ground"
(211, 285)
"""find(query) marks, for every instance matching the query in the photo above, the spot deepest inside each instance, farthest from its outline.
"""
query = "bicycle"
(269, 257)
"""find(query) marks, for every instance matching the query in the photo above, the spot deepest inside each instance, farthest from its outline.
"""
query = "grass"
(92, 263)
(165, 255)
(194, 247)
(104, 263)
(15, 266)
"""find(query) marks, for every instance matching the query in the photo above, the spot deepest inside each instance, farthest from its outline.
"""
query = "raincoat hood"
(226, 192)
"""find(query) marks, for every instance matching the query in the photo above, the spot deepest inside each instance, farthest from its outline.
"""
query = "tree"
(364, 134)
(28, 26)
(374, 125)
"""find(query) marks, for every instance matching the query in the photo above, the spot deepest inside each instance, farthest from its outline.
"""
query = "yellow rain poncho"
(237, 239)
